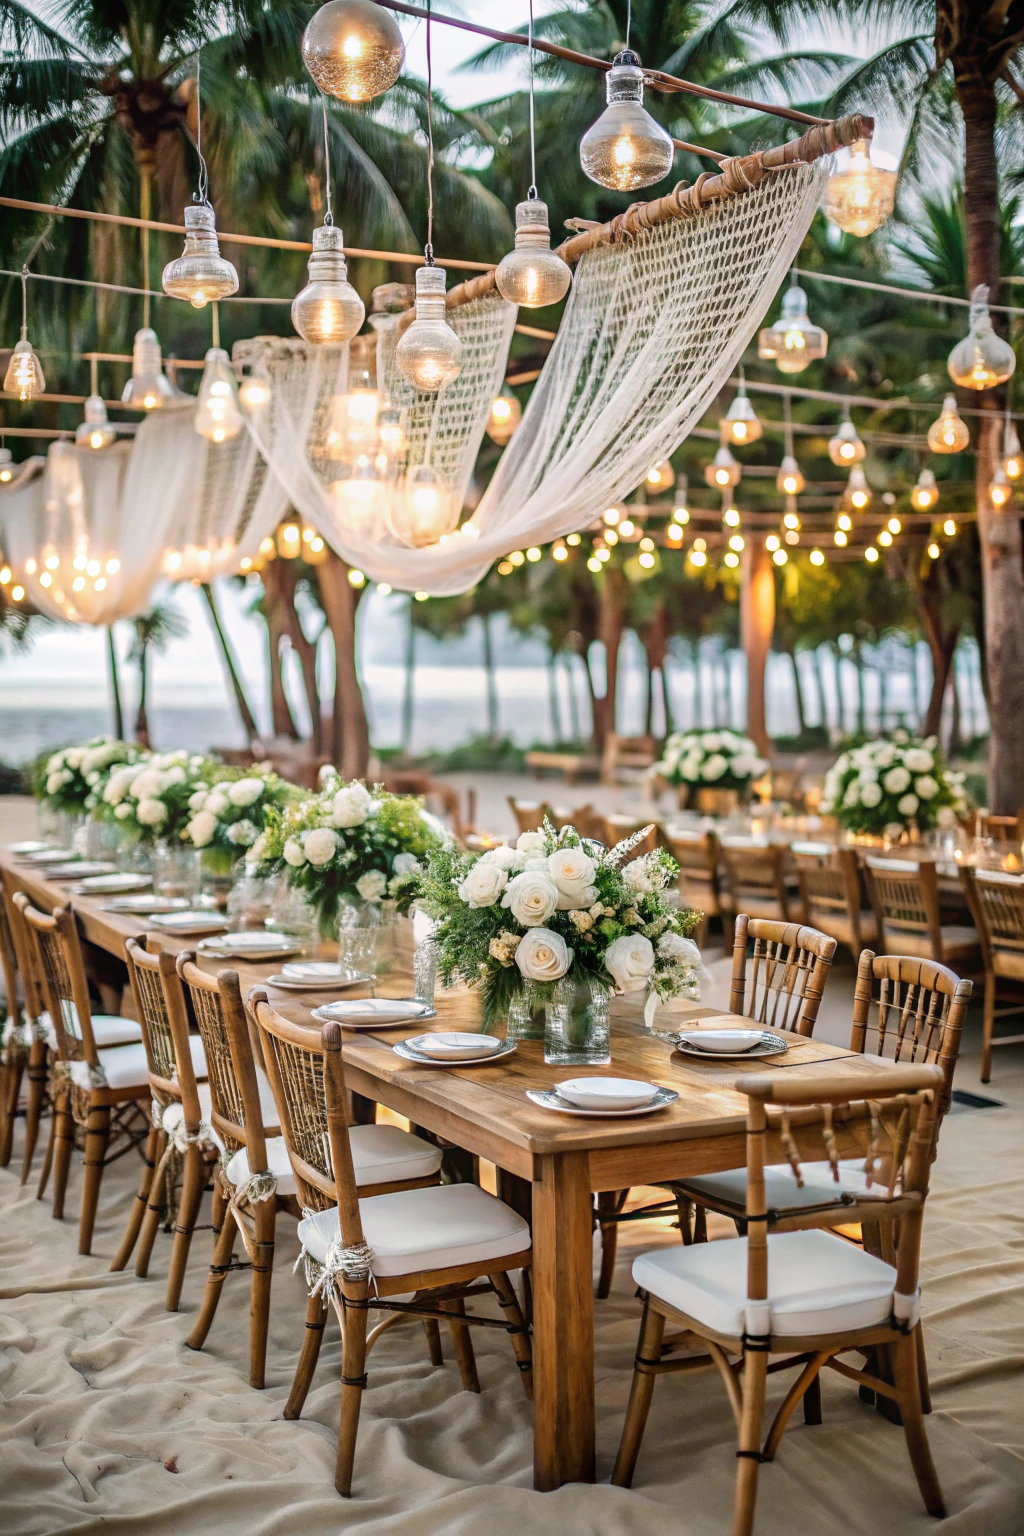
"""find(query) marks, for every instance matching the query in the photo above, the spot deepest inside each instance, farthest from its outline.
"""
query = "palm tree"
(153, 632)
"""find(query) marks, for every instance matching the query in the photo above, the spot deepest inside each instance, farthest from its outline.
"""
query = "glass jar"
(250, 902)
(292, 912)
(577, 1031)
(175, 870)
(424, 970)
(218, 866)
(527, 1017)
(362, 937)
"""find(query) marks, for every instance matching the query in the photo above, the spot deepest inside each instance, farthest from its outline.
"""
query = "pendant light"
(793, 341)
(426, 512)
(354, 429)
(948, 434)
(24, 376)
(999, 489)
(789, 480)
(200, 274)
(328, 311)
(982, 359)
(360, 497)
(147, 386)
(255, 391)
(846, 448)
(626, 149)
(353, 50)
(1012, 461)
(6, 466)
(680, 511)
(95, 431)
(861, 196)
(391, 429)
(505, 415)
(660, 477)
(740, 425)
(723, 471)
(925, 493)
(858, 492)
(218, 417)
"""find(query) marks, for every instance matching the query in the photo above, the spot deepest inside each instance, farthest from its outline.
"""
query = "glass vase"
(526, 1015)
(250, 902)
(175, 870)
(424, 971)
(292, 913)
(577, 1032)
(218, 867)
(361, 930)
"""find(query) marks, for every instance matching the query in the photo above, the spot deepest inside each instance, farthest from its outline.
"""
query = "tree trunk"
(574, 702)
(409, 691)
(954, 744)
(304, 649)
(275, 603)
(819, 663)
(115, 685)
(757, 621)
(351, 743)
(493, 724)
(611, 623)
(141, 718)
(1000, 532)
(862, 714)
(797, 694)
(227, 656)
(942, 646)
(556, 713)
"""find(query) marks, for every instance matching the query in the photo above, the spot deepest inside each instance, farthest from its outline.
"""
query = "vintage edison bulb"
(217, 415)
(391, 431)
(790, 478)
(148, 385)
(1012, 461)
(353, 50)
(1000, 490)
(426, 511)
(846, 447)
(680, 511)
(532, 275)
(429, 353)
(723, 472)
(626, 148)
(793, 341)
(982, 359)
(740, 424)
(858, 492)
(328, 311)
(6, 466)
(360, 496)
(660, 477)
(24, 376)
(949, 433)
(925, 493)
(255, 391)
(95, 431)
(200, 274)
(860, 197)
(354, 429)
(505, 415)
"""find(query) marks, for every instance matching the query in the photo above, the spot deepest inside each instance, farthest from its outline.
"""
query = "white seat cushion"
(107, 1028)
(383, 1154)
(125, 1067)
(198, 1054)
(781, 1189)
(237, 1167)
(817, 1283)
(268, 1109)
(416, 1229)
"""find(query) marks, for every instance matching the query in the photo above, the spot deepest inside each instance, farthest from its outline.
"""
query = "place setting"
(110, 883)
(454, 1048)
(603, 1097)
(255, 944)
(188, 923)
(318, 976)
(720, 1039)
(147, 904)
(80, 869)
(375, 1012)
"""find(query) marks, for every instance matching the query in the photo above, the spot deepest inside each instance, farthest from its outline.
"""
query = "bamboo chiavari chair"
(101, 1090)
(441, 1243)
(996, 900)
(14, 1040)
(831, 897)
(697, 854)
(905, 898)
(41, 1039)
(529, 814)
(755, 880)
(793, 1289)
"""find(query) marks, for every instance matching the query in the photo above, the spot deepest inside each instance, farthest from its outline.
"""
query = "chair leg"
(922, 1371)
(684, 1209)
(97, 1138)
(259, 1303)
(432, 1329)
(316, 1321)
(516, 1327)
(700, 1224)
(44, 1172)
(10, 1093)
(463, 1346)
(905, 1363)
(63, 1146)
(353, 1380)
(35, 1096)
(224, 1242)
(611, 1201)
(138, 1211)
(165, 1151)
(812, 1402)
(193, 1183)
(988, 1027)
(748, 1459)
(652, 1330)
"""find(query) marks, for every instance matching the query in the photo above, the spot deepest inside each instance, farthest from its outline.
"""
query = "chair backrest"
(1001, 829)
(756, 874)
(781, 981)
(696, 853)
(234, 1090)
(996, 900)
(9, 966)
(58, 956)
(163, 1018)
(24, 950)
(920, 1008)
(295, 1057)
(899, 1107)
(829, 887)
(529, 814)
(905, 898)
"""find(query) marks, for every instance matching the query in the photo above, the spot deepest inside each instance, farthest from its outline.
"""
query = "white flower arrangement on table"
(229, 812)
(346, 844)
(558, 905)
(886, 787)
(711, 759)
(150, 800)
(73, 778)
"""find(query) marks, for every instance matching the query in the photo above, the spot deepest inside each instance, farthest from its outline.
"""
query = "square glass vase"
(577, 1031)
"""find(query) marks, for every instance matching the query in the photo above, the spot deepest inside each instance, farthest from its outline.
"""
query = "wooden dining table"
(549, 1164)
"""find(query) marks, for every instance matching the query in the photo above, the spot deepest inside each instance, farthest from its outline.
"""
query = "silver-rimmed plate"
(550, 1100)
(79, 870)
(338, 983)
(23, 849)
(374, 1012)
(147, 905)
(190, 923)
(771, 1045)
(111, 885)
(403, 1049)
(50, 856)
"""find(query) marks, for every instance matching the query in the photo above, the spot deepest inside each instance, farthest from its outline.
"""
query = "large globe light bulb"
(429, 353)
(948, 434)
(217, 414)
(846, 448)
(148, 386)
(353, 50)
(626, 148)
(24, 376)
(982, 359)
(95, 431)
(328, 311)
(740, 424)
(793, 341)
(200, 274)
(860, 197)
(532, 275)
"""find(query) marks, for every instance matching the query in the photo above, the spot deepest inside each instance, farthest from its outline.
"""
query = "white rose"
(92, 778)
(351, 806)
(54, 782)
(630, 961)
(372, 885)
(202, 828)
(294, 853)
(146, 784)
(217, 802)
(503, 856)
(118, 784)
(483, 884)
(531, 897)
(151, 812)
(242, 833)
(406, 864)
(636, 877)
(531, 842)
(852, 795)
(320, 846)
(55, 762)
(868, 775)
(896, 780)
(258, 849)
(918, 760)
(883, 754)
(715, 766)
(927, 787)
(744, 767)
(198, 800)
(672, 946)
(327, 774)
(691, 768)
(572, 870)
(543, 955)
(245, 791)
(908, 805)
(871, 793)
(122, 811)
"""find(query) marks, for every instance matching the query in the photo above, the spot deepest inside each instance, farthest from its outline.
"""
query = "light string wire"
(152, 293)
(629, 19)
(428, 249)
(532, 193)
(204, 180)
(328, 208)
(24, 302)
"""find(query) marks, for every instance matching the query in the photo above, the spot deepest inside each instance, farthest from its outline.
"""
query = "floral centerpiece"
(559, 911)
(711, 759)
(230, 810)
(151, 800)
(73, 779)
(892, 786)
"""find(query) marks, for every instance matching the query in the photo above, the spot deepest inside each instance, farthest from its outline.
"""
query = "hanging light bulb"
(328, 311)
(359, 497)
(660, 477)
(858, 492)
(6, 466)
(24, 376)
(999, 489)
(925, 493)
(217, 413)
(846, 447)
(429, 353)
(793, 341)
(532, 275)
(505, 415)
(391, 430)
(354, 430)
(680, 511)
(353, 50)
(860, 197)
(626, 148)
(982, 359)
(95, 431)
(1012, 461)
(147, 386)
(790, 478)
(948, 434)
(740, 424)
(723, 471)
(200, 274)
(426, 512)
(255, 391)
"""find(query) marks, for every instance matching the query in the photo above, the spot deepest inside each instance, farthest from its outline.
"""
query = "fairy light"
(573, 540)
(780, 556)
(816, 557)
(949, 528)
(559, 552)
(871, 554)
(357, 578)
(533, 554)
(841, 538)
(731, 559)
(934, 551)
(517, 557)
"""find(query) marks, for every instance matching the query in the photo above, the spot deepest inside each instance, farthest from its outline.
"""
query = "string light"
(647, 559)
(982, 359)
(697, 557)
(740, 424)
(789, 480)
(611, 537)
(858, 492)
(780, 556)
(772, 542)
(611, 516)
(148, 386)
(573, 540)
(948, 433)
(885, 538)
(24, 376)
(95, 431)
(723, 471)
(504, 416)
(816, 557)
(846, 448)
(1012, 462)
(731, 517)
(533, 554)
(353, 50)
(860, 197)
(934, 551)
(593, 564)
(255, 391)
(871, 554)
(426, 511)
(559, 552)
(680, 512)
(626, 149)
(6, 466)
(841, 538)
(925, 493)
(999, 488)
(894, 525)
(736, 541)
(217, 415)
(660, 477)
(731, 559)
(949, 528)
(675, 533)
(793, 341)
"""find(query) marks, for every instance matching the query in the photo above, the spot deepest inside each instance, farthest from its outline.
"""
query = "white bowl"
(724, 1040)
(313, 970)
(451, 1044)
(606, 1092)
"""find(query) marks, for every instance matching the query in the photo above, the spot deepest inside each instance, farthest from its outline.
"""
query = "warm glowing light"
(816, 557)
(736, 541)
(30, 566)
(925, 493)
(505, 568)
(793, 341)
(429, 353)
(574, 539)
(356, 578)
(593, 564)
(740, 424)
(791, 520)
(1000, 489)
(24, 376)
(948, 433)
(610, 536)
(100, 584)
(894, 525)
(647, 544)
(626, 149)
(627, 528)
(353, 50)
(860, 197)
(700, 544)
(698, 557)
(949, 528)
(844, 521)
(17, 593)
(610, 516)
(254, 392)
(731, 517)
(790, 478)
(661, 477)
(723, 471)
(732, 560)
(559, 552)
(983, 359)
(532, 275)
(78, 585)
(505, 415)
(885, 538)
(772, 542)
(52, 562)
(871, 554)
(841, 538)
(646, 559)
(534, 554)
(5, 575)
(92, 568)
(792, 537)
(780, 557)
(846, 448)
(934, 551)
(200, 274)
(46, 580)
(604, 555)
(675, 533)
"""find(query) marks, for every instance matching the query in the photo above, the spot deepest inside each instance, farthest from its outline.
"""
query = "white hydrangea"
(202, 828)
(293, 853)
(217, 802)
(351, 806)
(245, 791)
(320, 846)
(151, 812)
(406, 864)
(896, 780)
(372, 885)
(908, 805)
(197, 800)
(242, 833)
(926, 786)
(715, 766)
(871, 793)
(122, 811)
(919, 760)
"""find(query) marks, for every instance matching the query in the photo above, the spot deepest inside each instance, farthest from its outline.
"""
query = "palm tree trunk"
(611, 625)
(757, 622)
(340, 599)
(492, 684)
(409, 697)
(574, 703)
(115, 685)
(141, 718)
(556, 713)
(819, 662)
(228, 658)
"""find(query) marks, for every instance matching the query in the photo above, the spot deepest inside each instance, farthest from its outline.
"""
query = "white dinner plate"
(546, 1100)
(606, 1092)
(190, 922)
(110, 885)
(337, 983)
(772, 1045)
(147, 904)
(80, 869)
(404, 1049)
(455, 1045)
(51, 856)
(26, 848)
(249, 946)
(722, 1042)
(374, 1012)
(312, 970)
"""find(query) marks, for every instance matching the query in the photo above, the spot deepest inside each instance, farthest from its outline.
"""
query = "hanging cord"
(328, 210)
(215, 324)
(532, 193)
(24, 303)
(428, 249)
(93, 376)
(204, 180)
(629, 19)
(788, 421)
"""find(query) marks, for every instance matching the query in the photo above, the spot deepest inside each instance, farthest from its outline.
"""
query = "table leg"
(563, 1321)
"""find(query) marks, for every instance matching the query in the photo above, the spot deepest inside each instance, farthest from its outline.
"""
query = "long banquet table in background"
(548, 1163)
